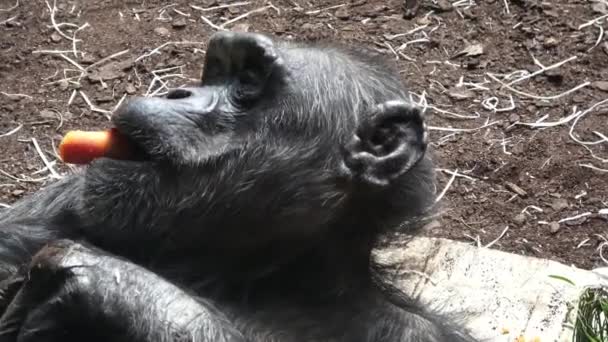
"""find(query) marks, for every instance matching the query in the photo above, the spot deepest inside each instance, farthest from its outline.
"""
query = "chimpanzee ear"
(387, 143)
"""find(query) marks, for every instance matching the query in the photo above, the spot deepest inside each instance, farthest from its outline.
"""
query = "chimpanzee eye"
(214, 69)
(248, 87)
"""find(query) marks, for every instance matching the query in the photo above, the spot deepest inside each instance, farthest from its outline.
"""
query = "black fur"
(250, 214)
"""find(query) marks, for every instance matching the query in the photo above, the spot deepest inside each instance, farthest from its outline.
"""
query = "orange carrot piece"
(81, 147)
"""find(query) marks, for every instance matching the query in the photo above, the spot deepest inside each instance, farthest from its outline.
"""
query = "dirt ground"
(523, 136)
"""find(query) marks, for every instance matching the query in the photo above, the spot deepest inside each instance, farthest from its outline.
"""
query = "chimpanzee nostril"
(179, 93)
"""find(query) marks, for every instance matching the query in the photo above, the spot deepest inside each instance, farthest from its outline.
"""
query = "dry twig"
(48, 165)
(10, 8)
(447, 186)
(213, 8)
(12, 131)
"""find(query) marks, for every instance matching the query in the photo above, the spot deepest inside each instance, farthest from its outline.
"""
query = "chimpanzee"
(248, 214)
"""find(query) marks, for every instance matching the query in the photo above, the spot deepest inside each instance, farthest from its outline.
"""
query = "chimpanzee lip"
(139, 152)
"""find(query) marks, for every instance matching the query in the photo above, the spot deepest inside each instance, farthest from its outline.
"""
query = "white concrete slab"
(509, 296)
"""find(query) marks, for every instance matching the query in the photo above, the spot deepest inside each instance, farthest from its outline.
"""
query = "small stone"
(234, 10)
(161, 31)
(460, 94)
(342, 13)
(425, 20)
(518, 149)
(516, 189)
(550, 42)
(601, 85)
(576, 222)
(513, 118)
(55, 37)
(600, 8)
(472, 50)
(559, 204)
(551, 13)
(579, 99)
(104, 99)
(48, 114)
(244, 27)
(130, 89)
(179, 23)
(88, 59)
(14, 97)
(469, 14)
(64, 85)
(473, 63)
(443, 6)
(605, 47)
(110, 71)
(554, 227)
(519, 219)
(554, 76)
(18, 192)
(307, 27)
(126, 64)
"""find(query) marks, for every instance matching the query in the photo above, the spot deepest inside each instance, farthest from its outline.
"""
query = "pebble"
(519, 218)
(18, 192)
(600, 8)
(342, 13)
(161, 31)
(48, 114)
(554, 227)
(64, 85)
(443, 6)
(246, 27)
(554, 76)
(559, 204)
(516, 189)
(601, 85)
(513, 118)
(88, 59)
(460, 94)
(55, 37)
(576, 222)
(130, 89)
(178, 24)
(110, 71)
(551, 42)
(104, 99)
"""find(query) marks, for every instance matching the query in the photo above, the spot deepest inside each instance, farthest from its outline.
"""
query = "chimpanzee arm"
(96, 296)
(34, 221)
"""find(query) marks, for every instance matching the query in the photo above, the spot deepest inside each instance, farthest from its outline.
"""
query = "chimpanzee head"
(280, 142)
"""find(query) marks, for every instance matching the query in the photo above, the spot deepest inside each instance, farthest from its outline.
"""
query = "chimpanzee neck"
(333, 268)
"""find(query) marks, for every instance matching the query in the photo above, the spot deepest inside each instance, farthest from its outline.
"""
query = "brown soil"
(544, 165)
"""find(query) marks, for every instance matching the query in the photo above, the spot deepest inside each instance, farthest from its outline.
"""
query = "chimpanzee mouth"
(127, 146)
(139, 154)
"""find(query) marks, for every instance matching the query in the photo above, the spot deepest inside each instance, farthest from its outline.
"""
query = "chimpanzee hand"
(76, 290)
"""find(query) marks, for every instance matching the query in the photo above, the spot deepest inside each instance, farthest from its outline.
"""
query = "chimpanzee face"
(254, 89)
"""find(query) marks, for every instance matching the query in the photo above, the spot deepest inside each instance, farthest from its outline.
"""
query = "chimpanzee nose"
(179, 93)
